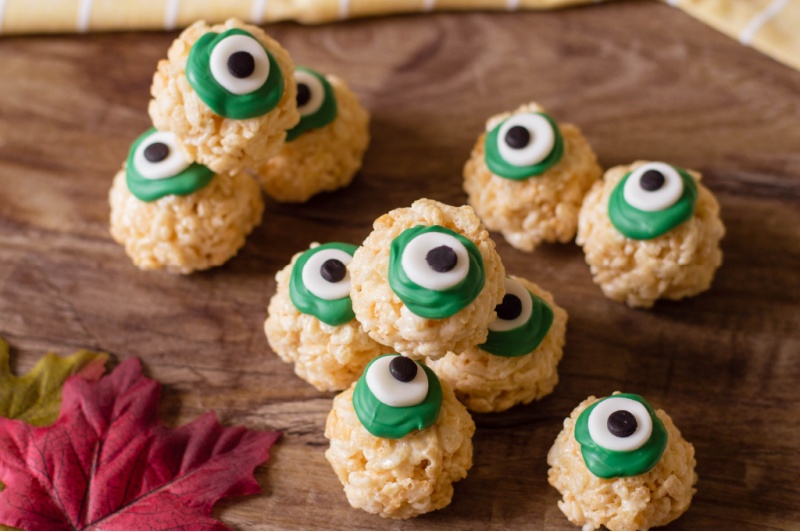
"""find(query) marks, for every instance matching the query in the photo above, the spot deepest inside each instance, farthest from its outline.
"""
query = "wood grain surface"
(641, 79)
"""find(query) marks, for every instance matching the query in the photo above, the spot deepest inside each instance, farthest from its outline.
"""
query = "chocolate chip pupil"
(403, 369)
(510, 308)
(241, 64)
(622, 423)
(652, 180)
(518, 137)
(303, 94)
(156, 152)
(333, 270)
(442, 259)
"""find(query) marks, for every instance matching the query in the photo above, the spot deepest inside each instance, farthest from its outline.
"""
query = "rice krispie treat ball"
(527, 177)
(227, 92)
(311, 321)
(324, 151)
(399, 439)
(427, 279)
(649, 231)
(173, 214)
(518, 362)
(621, 465)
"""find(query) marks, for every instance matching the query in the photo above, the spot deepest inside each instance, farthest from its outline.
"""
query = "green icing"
(502, 168)
(524, 339)
(192, 179)
(330, 311)
(218, 98)
(611, 464)
(434, 304)
(394, 422)
(323, 116)
(643, 225)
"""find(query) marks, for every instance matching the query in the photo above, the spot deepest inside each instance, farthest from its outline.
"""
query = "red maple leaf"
(108, 464)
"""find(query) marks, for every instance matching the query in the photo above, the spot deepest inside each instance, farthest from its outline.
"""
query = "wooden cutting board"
(641, 79)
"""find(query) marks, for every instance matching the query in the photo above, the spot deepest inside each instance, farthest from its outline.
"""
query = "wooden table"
(643, 81)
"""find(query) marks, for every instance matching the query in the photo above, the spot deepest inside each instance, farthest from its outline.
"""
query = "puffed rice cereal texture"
(677, 264)
(223, 144)
(322, 159)
(543, 208)
(641, 502)
(182, 234)
(405, 477)
(384, 316)
(329, 357)
(489, 383)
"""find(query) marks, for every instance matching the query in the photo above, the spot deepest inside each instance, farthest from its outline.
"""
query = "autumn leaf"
(108, 464)
(36, 397)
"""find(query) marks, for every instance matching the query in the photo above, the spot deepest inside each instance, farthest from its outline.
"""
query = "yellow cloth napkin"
(771, 26)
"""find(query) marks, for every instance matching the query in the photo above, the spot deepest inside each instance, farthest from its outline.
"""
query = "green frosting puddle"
(646, 225)
(194, 178)
(434, 304)
(331, 311)
(217, 97)
(322, 116)
(393, 422)
(605, 463)
(500, 167)
(524, 339)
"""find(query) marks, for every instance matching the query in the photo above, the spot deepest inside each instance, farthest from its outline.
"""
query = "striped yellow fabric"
(771, 26)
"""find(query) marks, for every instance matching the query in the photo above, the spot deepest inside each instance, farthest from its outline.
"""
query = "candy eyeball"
(651, 200)
(158, 157)
(523, 146)
(515, 309)
(526, 139)
(325, 274)
(620, 424)
(320, 283)
(397, 381)
(310, 92)
(653, 187)
(435, 271)
(436, 261)
(239, 63)
(316, 102)
(395, 396)
(156, 168)
(234, 74)
(523, 321)
(620, 436)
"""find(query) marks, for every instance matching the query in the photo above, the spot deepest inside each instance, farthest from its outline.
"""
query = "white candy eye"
(158, 157)
(325, 274)
(240, 64)
(525, 139)
(436, 261)
(653, 187)
(310, 93)
(620, 424)
(516, 308)
(397, 381)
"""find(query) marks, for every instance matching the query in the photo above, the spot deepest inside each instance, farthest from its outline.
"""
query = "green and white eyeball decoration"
(320, 283)
(316, 102)
(435, 271)
(620, 436)
(156, 168)
(395, 396)
(523, 146)
(234, 74)
(652, 200)
(522, 322)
